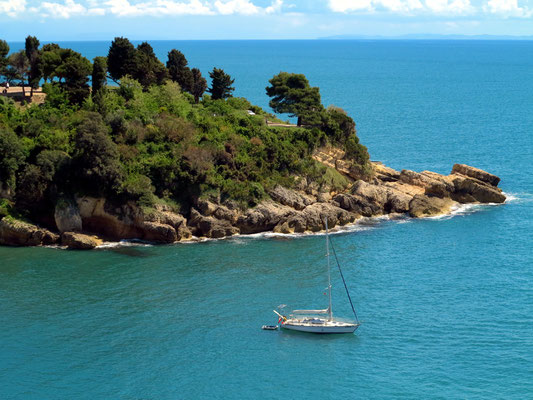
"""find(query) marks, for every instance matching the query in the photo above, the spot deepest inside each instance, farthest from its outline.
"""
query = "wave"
(518, 197)
(125, 243)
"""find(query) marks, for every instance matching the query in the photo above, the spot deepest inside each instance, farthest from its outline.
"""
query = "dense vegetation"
(156, 137)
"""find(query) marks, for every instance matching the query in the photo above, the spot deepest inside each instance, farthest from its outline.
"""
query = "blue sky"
(259, 19)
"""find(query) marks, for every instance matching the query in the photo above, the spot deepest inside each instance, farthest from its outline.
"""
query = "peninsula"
(160, 156)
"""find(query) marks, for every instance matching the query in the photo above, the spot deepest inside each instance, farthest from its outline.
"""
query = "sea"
(446, 304)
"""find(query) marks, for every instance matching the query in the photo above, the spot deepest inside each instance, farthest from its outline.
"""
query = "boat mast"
(330, 312)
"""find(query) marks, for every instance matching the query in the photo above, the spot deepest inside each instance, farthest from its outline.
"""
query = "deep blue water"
(447, 303)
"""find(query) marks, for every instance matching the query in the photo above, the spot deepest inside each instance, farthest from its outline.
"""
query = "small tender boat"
(308, 320)
(270, 327)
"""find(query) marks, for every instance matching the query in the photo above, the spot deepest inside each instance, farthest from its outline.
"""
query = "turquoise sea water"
(447, 303)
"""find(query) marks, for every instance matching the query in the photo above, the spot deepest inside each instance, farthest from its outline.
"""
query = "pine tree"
(220, 84)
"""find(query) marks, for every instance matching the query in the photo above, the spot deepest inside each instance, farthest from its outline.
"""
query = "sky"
(259, 19)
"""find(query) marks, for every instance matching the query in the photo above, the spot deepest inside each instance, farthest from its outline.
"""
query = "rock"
(67, 217)
(183, 233)
(157, 232)
(208, 208)
(297, 223)
(264, 217)
(283, 227)
(468, 190)
(397, 201)
(176, 221)
(210, 227)
(290, 197)
(415, 178)
(127, 221)
(315, 214)
(475, 173)
(323, 197)
(14, 232)
(365, 199)
(116, 223)
(385, 174)
(425, 206)
(79, 241)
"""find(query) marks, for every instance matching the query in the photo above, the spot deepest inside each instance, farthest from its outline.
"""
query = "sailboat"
(321, 321)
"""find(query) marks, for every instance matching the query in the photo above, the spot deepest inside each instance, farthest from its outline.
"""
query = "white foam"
(518, 197)
(125, 243)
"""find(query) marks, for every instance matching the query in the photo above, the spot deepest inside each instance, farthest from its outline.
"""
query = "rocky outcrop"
(67, 217)
(300, 209)
(218, 211)
(79, 241)
(335, 158)
(425, 206)
(470, 190)
(476, 173)
(14, 232)
(264, 217)
(127, 221)
(370, 199)
(290, 198)
(210, 227)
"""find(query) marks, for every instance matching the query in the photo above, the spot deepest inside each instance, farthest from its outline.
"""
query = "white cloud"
(134, 8)
(12, 8)
(449, 7)
(507, 8)
(236, 7)
(274, 7)
(344, 6)
(123, 8)
(454, 7)
(400, 6)
(58, 10)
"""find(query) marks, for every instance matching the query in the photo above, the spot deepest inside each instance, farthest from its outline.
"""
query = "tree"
(148, 70)
(50, 60)
(291, 93)
(96, 157)
(4, 51)
(99, 75)
(220, 84)
(33, 54)
(121, 59)
(11, 157)
(199, 84)
(21, 66)
(74, 70)
(179, 71)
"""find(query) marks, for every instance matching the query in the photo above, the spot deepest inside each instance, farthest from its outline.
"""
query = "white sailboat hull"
(326, 327)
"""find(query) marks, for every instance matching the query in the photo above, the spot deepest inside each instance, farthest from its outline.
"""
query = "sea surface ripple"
(446, 304)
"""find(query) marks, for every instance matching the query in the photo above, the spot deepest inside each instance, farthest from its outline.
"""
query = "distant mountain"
(426, 36)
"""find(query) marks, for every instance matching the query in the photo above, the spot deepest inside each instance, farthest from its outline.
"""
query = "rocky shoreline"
(86, 222)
